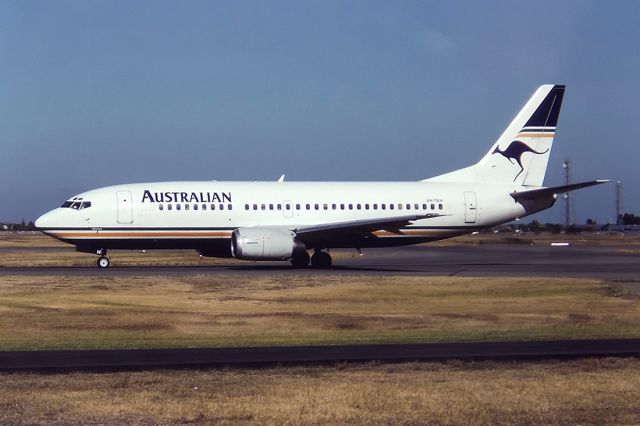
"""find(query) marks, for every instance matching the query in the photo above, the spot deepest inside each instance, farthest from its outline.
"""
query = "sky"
(96, 93)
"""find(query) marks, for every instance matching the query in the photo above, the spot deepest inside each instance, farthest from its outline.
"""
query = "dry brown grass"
(105, 312)
(576, 392)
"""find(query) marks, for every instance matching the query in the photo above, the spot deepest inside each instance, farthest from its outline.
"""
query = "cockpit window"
(76, 204)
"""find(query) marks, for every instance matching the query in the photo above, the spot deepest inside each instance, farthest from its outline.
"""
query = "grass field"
(587, 392)
(41, 312)
(55, 312)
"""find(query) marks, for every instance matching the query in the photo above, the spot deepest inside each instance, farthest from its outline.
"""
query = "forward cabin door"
(125, 212)
(470, 207)
(287, 211)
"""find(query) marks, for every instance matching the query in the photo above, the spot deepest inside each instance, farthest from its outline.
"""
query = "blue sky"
(94, 93)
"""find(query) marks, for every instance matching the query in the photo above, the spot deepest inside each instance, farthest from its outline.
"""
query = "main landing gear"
(103, 261)
(320, 259)
(300, 260)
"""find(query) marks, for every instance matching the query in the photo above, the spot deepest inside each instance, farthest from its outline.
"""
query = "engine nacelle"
(263, 243)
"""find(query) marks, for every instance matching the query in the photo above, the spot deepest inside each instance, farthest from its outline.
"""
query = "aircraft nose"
(44, 221)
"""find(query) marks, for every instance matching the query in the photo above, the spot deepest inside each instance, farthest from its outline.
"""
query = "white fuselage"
(203, 215)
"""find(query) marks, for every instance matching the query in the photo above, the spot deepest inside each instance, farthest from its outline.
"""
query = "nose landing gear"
(103, 261)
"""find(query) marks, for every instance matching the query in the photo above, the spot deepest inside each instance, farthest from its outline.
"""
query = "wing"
(356, 228)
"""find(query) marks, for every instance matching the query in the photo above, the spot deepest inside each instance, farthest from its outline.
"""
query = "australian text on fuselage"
(186, 197)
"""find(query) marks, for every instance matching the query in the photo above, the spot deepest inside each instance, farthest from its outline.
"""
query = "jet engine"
(261, 243)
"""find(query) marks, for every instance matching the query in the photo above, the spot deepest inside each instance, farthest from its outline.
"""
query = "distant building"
(621, 229)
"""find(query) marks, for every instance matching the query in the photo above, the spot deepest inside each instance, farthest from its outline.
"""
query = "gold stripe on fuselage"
(535, 135)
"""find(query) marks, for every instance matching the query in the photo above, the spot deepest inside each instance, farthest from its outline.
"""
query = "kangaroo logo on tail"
(514, 152)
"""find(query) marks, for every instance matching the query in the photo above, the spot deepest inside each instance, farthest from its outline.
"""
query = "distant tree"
(591, 222)
(535, 227)
(630, 219)
(554, 228)
(573, 229)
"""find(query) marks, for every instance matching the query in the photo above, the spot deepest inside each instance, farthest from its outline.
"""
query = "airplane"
(285, 220)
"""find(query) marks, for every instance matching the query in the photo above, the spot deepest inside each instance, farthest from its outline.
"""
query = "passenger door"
(125, 211)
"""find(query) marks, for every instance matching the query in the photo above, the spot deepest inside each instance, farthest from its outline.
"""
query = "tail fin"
(521, 153)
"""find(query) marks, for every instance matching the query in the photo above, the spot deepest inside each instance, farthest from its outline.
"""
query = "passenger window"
(230, 207)
(366, 206)
(391, 206)
(350, 206)
(160, 206)
(399, 206)
(270, 206)
(195, 207)
(433, 206)
(408, 206)
(375, 207)
(221, 206)
(341, 206)
(255, 207)
(186, 206)
(317, 206)
(263, 207)
(424, 207)
(333, 206)
(246, 206)
(213, 206)
(384, 206)
(169, 207)
(325, 206)
(279, 207)
(308, 206)
(358, 206)
(439, 206)
(204, 207)
(177, 206)
(416, 206)
(297, 206)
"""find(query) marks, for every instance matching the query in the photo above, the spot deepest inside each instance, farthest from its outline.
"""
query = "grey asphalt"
(135, 359)
(609, 262)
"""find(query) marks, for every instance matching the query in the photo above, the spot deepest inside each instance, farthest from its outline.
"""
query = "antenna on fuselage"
(281, 178)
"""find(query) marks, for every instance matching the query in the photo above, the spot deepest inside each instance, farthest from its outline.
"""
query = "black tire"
(103, 262)
(321, 259)
(300, 260)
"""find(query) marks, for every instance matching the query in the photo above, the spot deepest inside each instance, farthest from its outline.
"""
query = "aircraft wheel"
(300, 260)
(103, 262)
(321, 259)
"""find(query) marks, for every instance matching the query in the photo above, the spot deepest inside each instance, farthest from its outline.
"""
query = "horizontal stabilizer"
(554, 190)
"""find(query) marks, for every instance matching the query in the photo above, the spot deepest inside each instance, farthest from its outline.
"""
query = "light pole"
(619, 203)
(567, 200)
